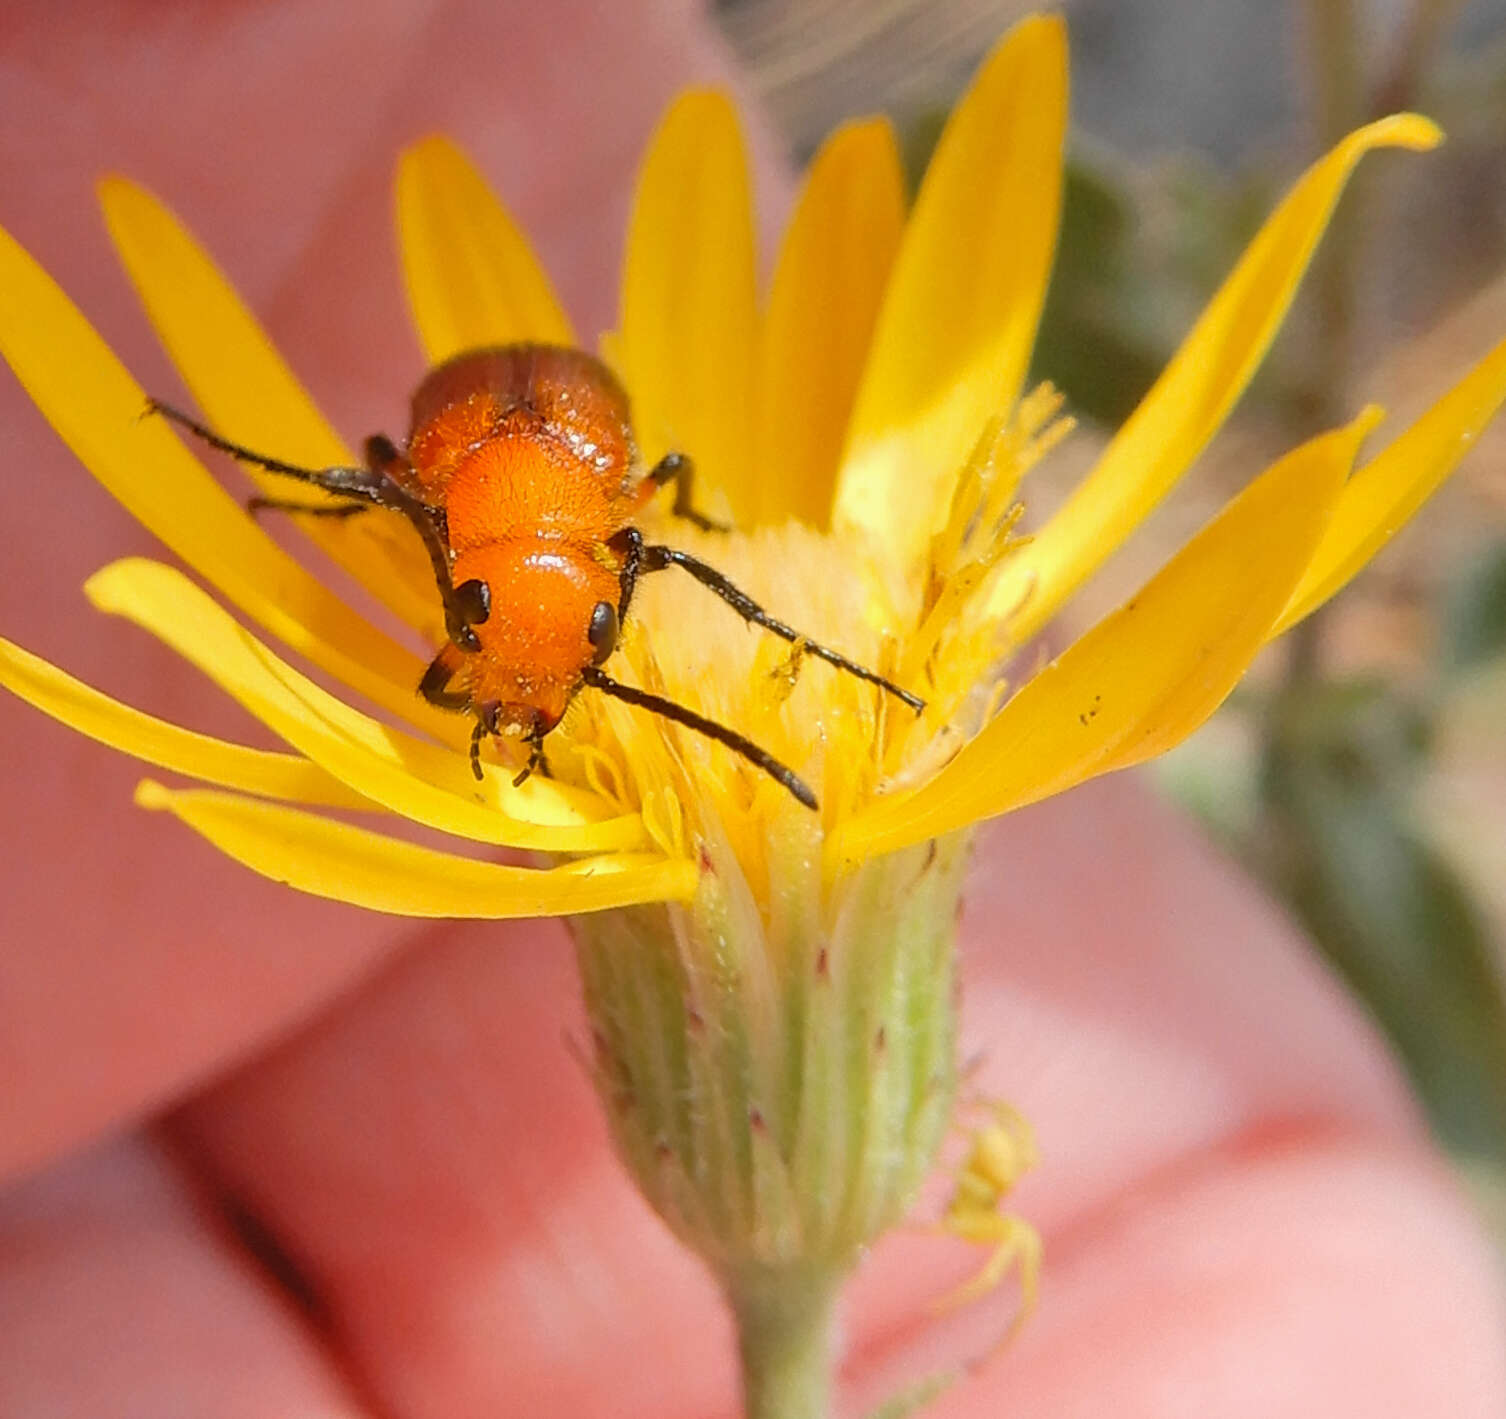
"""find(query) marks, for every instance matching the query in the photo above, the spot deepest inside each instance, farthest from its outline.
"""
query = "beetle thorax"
(527, 486)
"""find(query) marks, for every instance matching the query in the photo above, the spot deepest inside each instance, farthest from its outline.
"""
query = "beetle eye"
(603, 631)
(473, 599)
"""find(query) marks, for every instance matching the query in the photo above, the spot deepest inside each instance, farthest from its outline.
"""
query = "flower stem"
(784, 1336)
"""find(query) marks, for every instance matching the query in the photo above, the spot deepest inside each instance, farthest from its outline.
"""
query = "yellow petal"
(249, 395)
(472, 277)
(87, 710)
(689, 314)
(421, 781)
(331, 859)
(959, 320)
(1194, 393)
(831, 275)
(96, 408)
(1148, 674)
(1387, 490)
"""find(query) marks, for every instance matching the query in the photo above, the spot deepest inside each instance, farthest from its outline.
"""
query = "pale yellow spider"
(1000, 1152)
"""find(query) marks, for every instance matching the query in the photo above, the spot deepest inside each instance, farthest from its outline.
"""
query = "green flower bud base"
(777, 1062)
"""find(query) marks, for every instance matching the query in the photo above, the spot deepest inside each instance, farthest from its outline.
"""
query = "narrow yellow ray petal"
(1387, 490)
(95, 406)
(1195, 392)
(689, 301)
(954, 337)
(165, 745)
(249, 394)
(1148, 674)
(472, 276)
(365, 869)
(831, 275)
(421, 781)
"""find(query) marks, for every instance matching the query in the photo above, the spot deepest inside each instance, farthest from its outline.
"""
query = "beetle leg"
(657, 558)
(628, 544)
(679, 469)
(435, 686)
(537, 763)
(462, 609)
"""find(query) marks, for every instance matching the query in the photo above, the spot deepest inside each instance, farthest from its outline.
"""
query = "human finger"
(139, 959)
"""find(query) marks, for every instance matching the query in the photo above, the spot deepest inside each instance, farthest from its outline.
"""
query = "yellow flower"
(884, 370)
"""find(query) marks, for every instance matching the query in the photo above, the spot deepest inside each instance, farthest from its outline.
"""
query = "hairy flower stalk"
(771, 989)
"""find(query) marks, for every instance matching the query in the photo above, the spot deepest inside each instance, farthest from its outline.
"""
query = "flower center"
(931, 630)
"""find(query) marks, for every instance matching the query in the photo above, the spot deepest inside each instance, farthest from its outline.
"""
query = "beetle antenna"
(738, 743)
(374, 485)
(656, 558)
(237, 451)
(477, 735)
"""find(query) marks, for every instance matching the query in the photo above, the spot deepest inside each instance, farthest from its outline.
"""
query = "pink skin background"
(1241, 1213)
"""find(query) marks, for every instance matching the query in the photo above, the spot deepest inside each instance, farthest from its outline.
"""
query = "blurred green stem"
(784, 1333)
(1338, 86)
(1343, 101)
(1341, 104)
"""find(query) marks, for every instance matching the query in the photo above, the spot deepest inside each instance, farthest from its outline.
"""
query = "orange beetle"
(522, 478)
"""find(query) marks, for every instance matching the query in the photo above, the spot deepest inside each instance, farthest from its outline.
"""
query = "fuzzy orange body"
(528, 452)
(521, 479)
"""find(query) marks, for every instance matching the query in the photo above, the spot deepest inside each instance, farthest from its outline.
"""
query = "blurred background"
(1361, 771)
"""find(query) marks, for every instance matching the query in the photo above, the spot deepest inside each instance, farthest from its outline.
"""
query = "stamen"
(602, 775)
(664, 821)
(955, 643)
